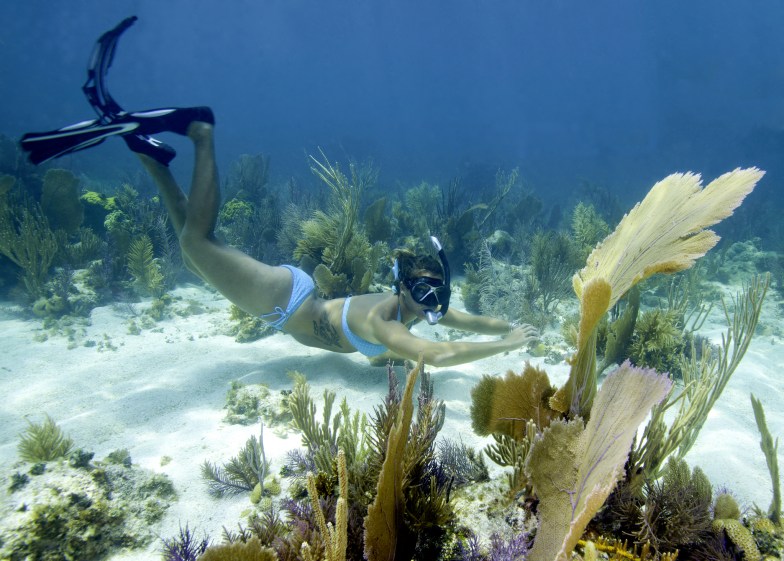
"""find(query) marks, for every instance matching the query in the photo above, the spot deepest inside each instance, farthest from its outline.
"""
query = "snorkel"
(431, 316)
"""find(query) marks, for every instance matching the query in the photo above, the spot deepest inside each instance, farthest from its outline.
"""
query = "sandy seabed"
(161, 393)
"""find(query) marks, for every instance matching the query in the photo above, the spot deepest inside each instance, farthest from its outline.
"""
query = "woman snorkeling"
(376, 325)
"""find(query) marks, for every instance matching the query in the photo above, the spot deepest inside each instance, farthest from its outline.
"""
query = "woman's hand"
(521, 336)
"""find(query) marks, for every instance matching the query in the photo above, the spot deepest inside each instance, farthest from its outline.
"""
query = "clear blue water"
(618, 93)
(614, 93)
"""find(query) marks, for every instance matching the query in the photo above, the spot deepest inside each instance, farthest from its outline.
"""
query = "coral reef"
(247, 328)
(242, 473)
(82, 512)
(60, 201)
(335, 239)
(144, 268)
(574, 468)
(665, 233)
(242, 403)
(704, 381)
(43, 442)
(28, 241)
(587, 464)
(588, 228)
(339, 476)
(769, 448)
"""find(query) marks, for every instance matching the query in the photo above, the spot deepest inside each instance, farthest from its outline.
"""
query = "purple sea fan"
(185, 547)
(516, 549)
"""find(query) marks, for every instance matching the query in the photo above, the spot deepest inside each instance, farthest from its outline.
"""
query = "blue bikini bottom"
(302, 287)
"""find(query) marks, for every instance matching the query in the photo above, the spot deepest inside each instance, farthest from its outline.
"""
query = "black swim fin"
(135, 128)
(45, 146)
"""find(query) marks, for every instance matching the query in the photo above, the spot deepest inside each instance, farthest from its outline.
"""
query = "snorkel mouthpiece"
(431, 316)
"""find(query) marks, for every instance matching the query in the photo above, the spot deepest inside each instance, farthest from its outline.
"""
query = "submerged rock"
(77, 512)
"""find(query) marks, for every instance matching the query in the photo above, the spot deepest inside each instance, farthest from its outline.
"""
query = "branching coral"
(60, 200)
(769, 448)
(28, 241)
(243, 472)
(412, 493)
(619, 551)
(333, 536)
(513, 452)
(552, 263)
(144, 268)
(44, 442)
(334, 238)
(704, 381)
(385, 516)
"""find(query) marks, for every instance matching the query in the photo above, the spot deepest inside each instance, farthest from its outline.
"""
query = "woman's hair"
(412, 265)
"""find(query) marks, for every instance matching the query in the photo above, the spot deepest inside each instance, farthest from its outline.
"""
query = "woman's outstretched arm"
(396, 337)
(484, 325)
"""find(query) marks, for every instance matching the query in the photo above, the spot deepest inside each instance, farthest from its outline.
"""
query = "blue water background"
(618, 93)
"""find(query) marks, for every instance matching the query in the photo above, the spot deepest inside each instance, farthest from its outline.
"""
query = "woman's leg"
(173, 198)
(255, 287)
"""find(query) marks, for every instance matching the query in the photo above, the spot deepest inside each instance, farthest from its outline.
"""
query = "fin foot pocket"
(149, 146)
(176, 120)
(135, 128)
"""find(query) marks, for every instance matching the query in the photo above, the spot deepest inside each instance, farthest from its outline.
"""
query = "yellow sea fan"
(666, 232)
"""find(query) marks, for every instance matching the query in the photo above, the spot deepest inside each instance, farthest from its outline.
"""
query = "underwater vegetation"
(360, 487)
(624, 258)
(247, 472)
(63, 505)
(382, 486)
(333, 245)
(769, 448)
(43, 442)
(28, 241)
(531, 290)
(247, 328)
(379, 488)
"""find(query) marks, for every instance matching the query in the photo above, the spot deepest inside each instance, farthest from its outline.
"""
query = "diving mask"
(428, 291)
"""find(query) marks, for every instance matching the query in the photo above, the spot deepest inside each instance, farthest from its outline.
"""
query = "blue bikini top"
(362, 345)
